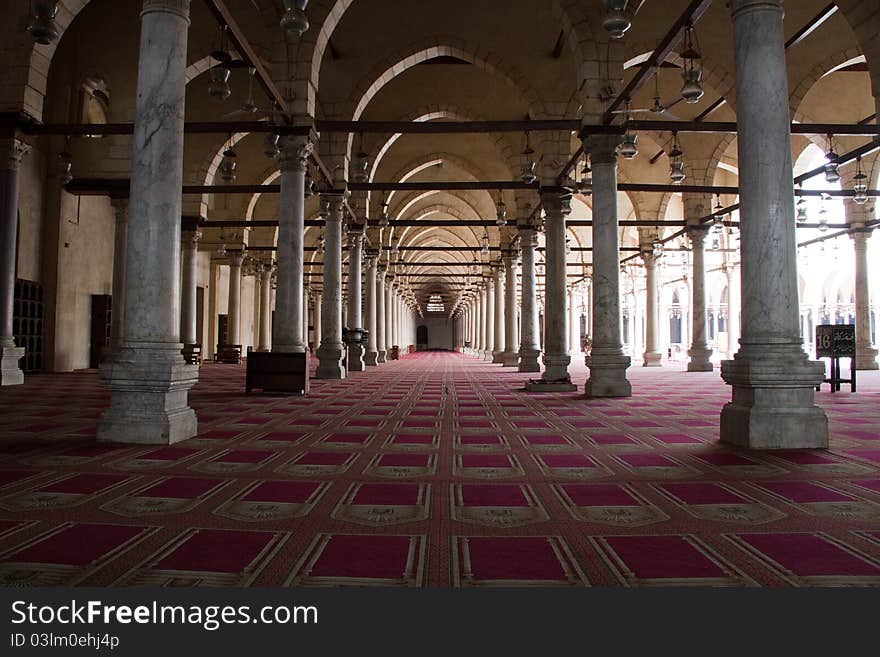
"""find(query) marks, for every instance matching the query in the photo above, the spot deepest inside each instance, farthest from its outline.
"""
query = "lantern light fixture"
(228, 164)
(501, 210)
(860, 184)
(42, 27)
(832, 173)
(616, 22)
(270, 146)
(676, 164)
(528, 164)
(691, 73)
(294, 21)
(65, 165)
(384, 221)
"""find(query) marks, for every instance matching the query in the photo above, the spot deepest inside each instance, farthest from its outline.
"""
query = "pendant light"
(501, 210)
(384, 222)
(616, 22)
(42, 27)
(294, 21)
(823, 216)
(65, 165)
(528, 164)
(691, 73)
(362, 163)
(484, 249)
(395, 251)
(221, 250)
(801, 206)
(832, 173)
(860, 184)
(218, 87)
(676, 164)
(628, 149)
(586, 184)
(270, 146)
(228, 164)
(320, 249)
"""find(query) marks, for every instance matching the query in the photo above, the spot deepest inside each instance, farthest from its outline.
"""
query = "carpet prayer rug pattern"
(435, 470)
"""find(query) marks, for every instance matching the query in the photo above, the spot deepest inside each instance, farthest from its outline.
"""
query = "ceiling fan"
(658, 108)
(249, 106)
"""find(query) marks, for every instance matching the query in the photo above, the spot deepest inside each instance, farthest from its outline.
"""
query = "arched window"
(94, 101)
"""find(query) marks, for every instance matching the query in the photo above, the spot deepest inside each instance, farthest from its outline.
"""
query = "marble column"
(389, 314)
(733, 308)
(117, 313)
(233, 310)
(498, 280)
(148, 379)
(489, 348)
(10, 355)
(529, 349)
(557, 205)
(866, 355)
(265, 308)
(510, 356)
(288, 334)
(356, 350)
(699, 352)
(379, 291)
(330, 353)
(608, 363)
(773, 381)
(316, 319)
(188, 284)
(574, 321)
(652, 356)
(371, 358)
(481, 331)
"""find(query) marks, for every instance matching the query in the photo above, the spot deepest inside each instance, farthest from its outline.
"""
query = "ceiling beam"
(811, 26)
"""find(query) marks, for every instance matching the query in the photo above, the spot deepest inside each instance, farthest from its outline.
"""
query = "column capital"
(120, 208)
(178, 7)
(528, 236)
(697, 233)
(11, 153)
(556, 201)
(602, 148)
(332, 203)
(650, 258)
(355, 238)
(191, 237)
(497, 272)
(295, 152)
(510, 259)
(235, 258)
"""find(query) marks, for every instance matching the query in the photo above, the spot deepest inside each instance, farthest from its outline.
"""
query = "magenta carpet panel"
(435, 470)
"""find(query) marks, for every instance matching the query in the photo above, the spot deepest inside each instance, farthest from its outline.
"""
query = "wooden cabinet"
(27, 323)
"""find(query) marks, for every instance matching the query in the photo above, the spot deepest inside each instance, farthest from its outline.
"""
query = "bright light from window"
(435, 304)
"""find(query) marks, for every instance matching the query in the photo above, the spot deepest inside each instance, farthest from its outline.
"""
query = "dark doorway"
(422, 338)
(100, 340)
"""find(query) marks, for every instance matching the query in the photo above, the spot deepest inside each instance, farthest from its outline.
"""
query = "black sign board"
(836, 341)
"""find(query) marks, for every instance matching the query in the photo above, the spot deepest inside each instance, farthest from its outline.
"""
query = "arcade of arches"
(503, 210)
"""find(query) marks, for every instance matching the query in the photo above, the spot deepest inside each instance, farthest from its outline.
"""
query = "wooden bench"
(277, 372)
(192, 354)
(228, 353)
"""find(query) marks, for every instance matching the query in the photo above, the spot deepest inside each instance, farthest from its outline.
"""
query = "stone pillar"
(699, 351)
(12, 152)
(316, 320)
(288, 334)
(263, 344)
(356, 350)
(188, 284)
(233, 310)
(733, 309)
(574, 321)
(148, 380)
(389, 313)
(608, 364)
(557, 204)
(866, 355)
(372, 355)
(773, 381)
(498, 350)
(510, 356)
(330, 352)
(481, 326)
(379, 291)
(652, 355)
(490, 320)
(117, 313)
(529, 350)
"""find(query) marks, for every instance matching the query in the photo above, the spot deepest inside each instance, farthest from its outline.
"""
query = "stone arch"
(820, 70)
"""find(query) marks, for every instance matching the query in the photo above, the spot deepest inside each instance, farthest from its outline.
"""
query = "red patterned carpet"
(436, 470)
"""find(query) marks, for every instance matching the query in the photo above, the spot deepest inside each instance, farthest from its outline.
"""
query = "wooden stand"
(192, 354)
(277, 372)
(836, 341)
(228, 353)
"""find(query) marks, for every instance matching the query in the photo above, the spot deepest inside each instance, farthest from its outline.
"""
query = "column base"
(608, 374)
(371, 358)
(699, 361)
(510, 359)
(330, 362)
(355, 358)
(773, 402)
(528, 360)
(556, 369)
(540, 385)
(149, 385)
(10, 373)
(380, 357)
(652, 359)
(866, 357)
(497, 357)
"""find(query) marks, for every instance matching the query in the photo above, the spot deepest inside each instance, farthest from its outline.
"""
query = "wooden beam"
(811, 26)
